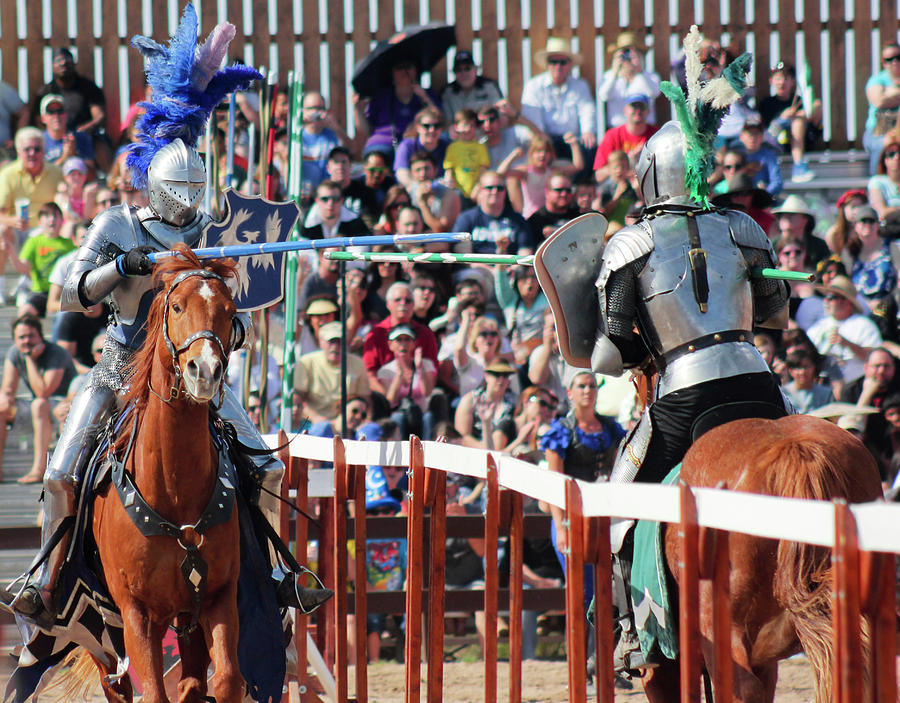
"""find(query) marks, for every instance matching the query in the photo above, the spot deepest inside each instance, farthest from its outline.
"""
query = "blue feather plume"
(183, 94)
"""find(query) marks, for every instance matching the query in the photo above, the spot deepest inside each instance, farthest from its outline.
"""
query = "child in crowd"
(527, 186)
(466, 158)
(618, 193)
(36, 259)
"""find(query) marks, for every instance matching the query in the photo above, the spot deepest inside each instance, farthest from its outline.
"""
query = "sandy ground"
(545, 682)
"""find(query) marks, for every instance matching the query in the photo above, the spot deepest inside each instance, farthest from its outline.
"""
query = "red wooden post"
(598, 553)
(689, 598)
(360, 577)
(516, 558)
(723, 681)
(298, 475)
(575, 628)
(491, 581)
(846, 607)
(437, 482)
(877, 576)
(414, 570)
(339, 529)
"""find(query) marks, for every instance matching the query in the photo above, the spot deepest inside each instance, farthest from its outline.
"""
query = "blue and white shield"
(254, 220)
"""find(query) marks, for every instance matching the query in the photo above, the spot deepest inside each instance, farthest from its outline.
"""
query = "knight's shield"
(567, 264)
(254, 220)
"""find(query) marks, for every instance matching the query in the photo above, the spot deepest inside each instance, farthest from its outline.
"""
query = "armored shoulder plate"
(627, 245)
(746, 232)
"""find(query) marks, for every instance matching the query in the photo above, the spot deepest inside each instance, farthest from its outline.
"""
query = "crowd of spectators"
(469, 353)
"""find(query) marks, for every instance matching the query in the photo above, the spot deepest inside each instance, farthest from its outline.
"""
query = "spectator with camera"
(627, 75)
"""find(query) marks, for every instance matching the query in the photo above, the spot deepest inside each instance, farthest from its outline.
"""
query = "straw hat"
(624, 41)
(794, 205)
(842, 286)
(556, 46)
(499, 366)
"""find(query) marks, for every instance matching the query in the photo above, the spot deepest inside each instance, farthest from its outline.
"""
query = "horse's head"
(189, 329)
(197, 325)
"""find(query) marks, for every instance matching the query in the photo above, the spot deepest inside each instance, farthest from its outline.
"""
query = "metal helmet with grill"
(176, 182)
(660, 167)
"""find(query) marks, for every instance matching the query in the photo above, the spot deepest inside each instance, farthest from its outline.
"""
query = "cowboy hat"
(794, 205)
(743, 183)
(842, 286)
(556, 46)
(625, 40)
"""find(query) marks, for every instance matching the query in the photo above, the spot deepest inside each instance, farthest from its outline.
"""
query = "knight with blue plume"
(112, 265)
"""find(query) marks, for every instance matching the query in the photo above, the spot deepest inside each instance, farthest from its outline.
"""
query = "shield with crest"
(254, 220)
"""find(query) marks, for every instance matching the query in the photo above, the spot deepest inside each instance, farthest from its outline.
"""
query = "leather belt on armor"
(709, 340)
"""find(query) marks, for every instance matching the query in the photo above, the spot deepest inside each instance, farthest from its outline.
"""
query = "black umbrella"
(423, 44)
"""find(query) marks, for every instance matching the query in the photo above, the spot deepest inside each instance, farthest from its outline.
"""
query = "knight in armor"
(676, 296)
(112, 265)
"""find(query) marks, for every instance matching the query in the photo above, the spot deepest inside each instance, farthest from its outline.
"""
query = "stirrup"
(291, 594)
(29, 604)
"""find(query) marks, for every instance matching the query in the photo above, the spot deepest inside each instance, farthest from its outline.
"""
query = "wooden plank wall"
(502, 37)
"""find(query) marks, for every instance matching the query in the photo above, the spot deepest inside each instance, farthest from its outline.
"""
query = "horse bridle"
(202, 334)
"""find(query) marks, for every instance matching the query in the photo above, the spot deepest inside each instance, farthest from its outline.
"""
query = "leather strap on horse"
(151, 524)
(708, 340)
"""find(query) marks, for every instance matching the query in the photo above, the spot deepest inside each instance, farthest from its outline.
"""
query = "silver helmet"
(660, 167)
(176, 182)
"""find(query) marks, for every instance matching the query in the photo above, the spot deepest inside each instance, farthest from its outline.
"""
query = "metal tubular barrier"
(863, 540)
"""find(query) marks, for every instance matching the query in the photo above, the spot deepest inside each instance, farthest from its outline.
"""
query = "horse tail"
(78, 679)
(807, 466)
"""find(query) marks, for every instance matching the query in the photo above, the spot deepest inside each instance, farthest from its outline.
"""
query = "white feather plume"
(692, 66)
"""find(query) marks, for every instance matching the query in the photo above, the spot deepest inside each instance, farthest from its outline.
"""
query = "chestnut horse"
(174, 463)
(780, 591)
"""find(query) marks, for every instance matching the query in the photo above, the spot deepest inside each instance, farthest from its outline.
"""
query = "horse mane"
(164, 272)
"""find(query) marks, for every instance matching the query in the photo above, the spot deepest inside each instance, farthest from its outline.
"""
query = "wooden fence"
(841, 48)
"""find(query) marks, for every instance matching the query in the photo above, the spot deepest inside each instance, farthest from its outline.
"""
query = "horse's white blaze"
(206, 292)
(208, 357)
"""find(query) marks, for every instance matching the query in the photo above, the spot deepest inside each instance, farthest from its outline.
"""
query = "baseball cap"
(378, 495)
(637, 97)
(74, 163)
(64, 52)
(329, 331)
(753, 121)
(866, 212)
(401, 330)
(49, 99)
(463, 56)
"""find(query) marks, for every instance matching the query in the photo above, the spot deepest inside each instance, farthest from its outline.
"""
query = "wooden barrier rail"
(864, 540)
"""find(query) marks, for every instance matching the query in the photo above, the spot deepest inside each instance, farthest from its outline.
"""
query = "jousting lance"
(238, 250)
(511, 260)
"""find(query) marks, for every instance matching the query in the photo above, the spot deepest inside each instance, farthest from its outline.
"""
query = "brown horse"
(173, 463)
(780, 591)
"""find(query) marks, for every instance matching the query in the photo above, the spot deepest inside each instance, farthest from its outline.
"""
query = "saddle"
(727, 412)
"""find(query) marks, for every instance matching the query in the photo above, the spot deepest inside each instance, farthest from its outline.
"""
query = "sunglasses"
(497, 188)
(543, 403)
(375, 169)
(55, 111)
(429, 125)
(488, 334)
(732, 167)
(496, 374)
(892, 154)
(558, 62)
(891, 59)
(330, 198)
(561, 190)
(487, 119)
